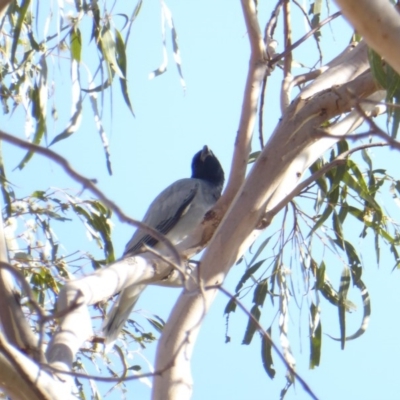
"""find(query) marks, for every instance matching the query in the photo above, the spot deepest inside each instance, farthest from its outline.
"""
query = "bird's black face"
(207, 167)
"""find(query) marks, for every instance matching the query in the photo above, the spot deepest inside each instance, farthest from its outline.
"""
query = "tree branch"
(379, 23)
(14, 324)
(22, 379)
(257, 69)
(277, 170)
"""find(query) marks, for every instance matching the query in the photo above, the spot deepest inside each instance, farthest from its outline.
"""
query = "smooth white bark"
(292, 148)
(277, 171)
(22, 378)
(77, 295)
(378, 22)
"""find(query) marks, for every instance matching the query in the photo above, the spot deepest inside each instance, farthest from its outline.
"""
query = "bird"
(175, 212)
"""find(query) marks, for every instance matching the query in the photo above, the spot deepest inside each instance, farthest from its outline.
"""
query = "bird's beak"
(205, 153)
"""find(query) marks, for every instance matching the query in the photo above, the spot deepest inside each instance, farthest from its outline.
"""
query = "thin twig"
(107, 379)
(304, 38)
(287, 32)
(304, 12)
(268, 38)
(5, 349)
(271, 24)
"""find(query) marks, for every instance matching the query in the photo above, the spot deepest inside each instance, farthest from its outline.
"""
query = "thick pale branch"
(257, 69)
(277, 171)
(13, 321)
(379, 23)
(77, 295)
(21, 378)
(3, 7)
(176, 383)
(346, 66)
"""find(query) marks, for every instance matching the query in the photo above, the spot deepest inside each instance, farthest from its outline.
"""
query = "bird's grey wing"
(163, 214)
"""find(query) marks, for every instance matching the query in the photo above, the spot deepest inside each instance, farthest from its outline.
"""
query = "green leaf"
(343, 289)
(320, 278)
(260, 292)
(23, 9)
(315, 336)
(261, 247)
(352, 255)
(253, 157)
(396, 256)
(355, 212)
(122, 63)
(365, 156)
(393, 83)
(395, 113)
(321, 182)
(156, 324)
(366, 313)
(109, 51)
(363, 193)
(377, 248)
(231, 306)
(377, 69)
(249, 272)
(332, 201)
(39, 194)
(344, 209)
(99, 88)
(266, 354)
(38, 112)
(73, 125)
(251, 326)
(100, 128)
(135, 368)
(337, 228)
(358, 175)
(76, 44)
(342, 146)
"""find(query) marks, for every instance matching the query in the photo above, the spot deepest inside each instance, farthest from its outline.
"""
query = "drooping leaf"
(166, 18)
(76, 105)
(109, 51)
(260, 292)
(366, 312)
(261, 247)
(337, 228)
(266, 354)
(332, 201)
(284, 297)
(253, 157)
(23, 9)
(365, 156)
(231, 306)
(76, 44)
(251, 326)
(100, 129)
(39, 100)
(315, 336)
(122, 63)
(343, 289)
(377, 69)
(249, 272)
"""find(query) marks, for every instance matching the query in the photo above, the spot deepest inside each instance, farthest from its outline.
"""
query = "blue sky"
(154, 149)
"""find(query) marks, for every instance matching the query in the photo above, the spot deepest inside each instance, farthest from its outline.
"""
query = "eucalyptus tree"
(303, 172)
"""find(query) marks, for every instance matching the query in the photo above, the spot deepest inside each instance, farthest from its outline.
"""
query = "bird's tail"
(120, 312)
